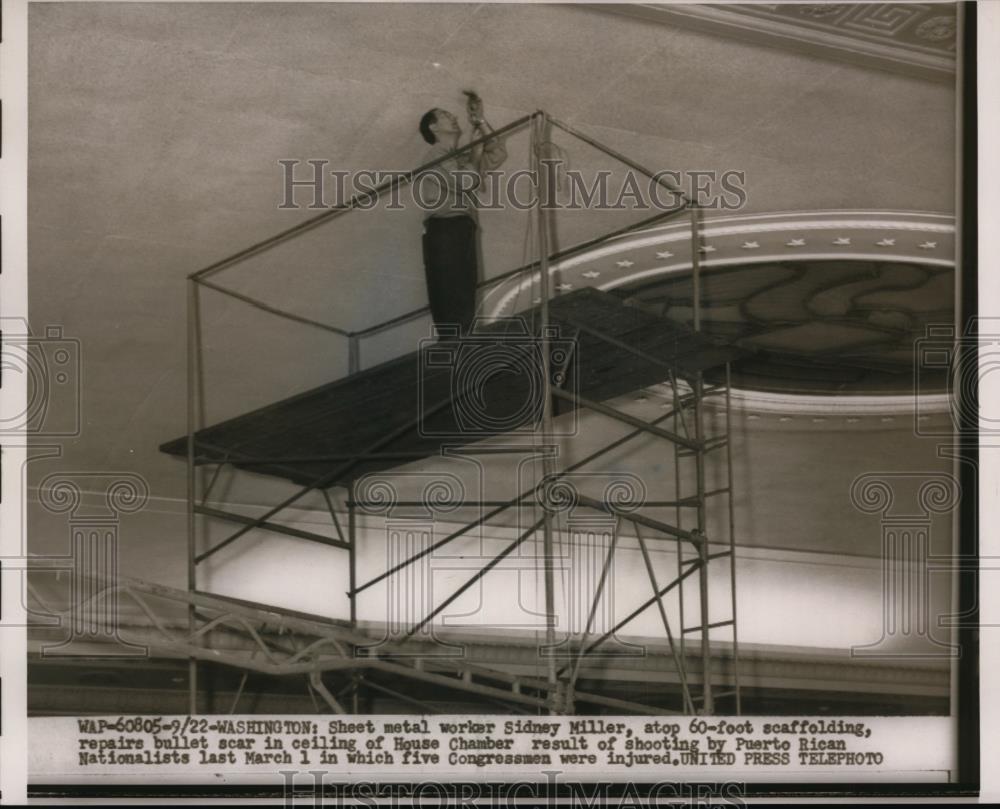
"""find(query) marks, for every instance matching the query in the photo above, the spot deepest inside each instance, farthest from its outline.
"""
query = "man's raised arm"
(494, 151)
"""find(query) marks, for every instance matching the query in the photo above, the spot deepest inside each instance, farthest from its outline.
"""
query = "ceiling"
(155, 131)
(835, 327)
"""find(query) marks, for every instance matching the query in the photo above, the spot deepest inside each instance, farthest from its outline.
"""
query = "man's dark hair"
(430, 117)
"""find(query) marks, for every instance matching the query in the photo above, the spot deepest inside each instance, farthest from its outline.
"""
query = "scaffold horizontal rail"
(713, 625)
(718, 695)
(267, 525)
(625, 418)
(632, 516)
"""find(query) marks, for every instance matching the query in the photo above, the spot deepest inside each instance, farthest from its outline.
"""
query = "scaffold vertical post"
(679, 516)
(352, 552)
(696, 262)
(543, 181)
(732, 538)
(194, 408)
(707, 705)
(352, 538)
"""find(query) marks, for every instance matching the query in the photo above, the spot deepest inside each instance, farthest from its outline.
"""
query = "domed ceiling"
(832, 303)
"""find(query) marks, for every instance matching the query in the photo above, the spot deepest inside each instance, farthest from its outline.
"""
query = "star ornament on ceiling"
(842, 241)
(795, 243)
(927, 245)
(751, 245)
(564, 287)
(886, 243)
(707, 248)
(591, 274)
(624, 264)
(664, 254)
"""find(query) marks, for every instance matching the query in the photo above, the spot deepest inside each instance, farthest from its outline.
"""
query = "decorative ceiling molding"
(903, 236)
(884, 238)
(840, 411)
(916, 39)
(768, 667)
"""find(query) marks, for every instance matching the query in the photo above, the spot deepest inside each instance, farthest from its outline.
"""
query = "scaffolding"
(328, 646)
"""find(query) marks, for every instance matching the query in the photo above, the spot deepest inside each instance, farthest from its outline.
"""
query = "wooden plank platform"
(406, 405)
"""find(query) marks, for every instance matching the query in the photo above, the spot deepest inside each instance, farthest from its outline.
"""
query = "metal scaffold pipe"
(732, 542)
(193, 418)
(543, 179)
(708, 705)
(696, 262)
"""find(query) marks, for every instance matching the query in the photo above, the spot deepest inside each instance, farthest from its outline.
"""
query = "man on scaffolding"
(450, 243)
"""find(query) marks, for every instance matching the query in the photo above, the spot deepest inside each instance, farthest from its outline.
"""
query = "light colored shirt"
(449, 187)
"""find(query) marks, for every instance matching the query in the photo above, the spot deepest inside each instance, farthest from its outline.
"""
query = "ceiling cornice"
(915, 39)
(909, 237)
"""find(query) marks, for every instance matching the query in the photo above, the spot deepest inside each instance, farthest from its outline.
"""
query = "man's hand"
(474, 107)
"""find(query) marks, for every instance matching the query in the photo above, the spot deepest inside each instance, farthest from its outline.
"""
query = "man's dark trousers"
(451, 266)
